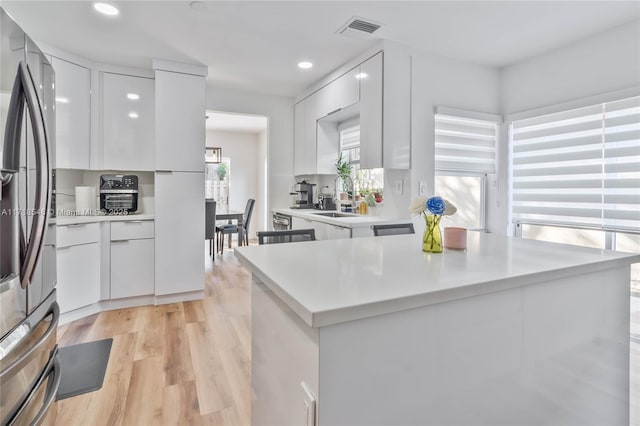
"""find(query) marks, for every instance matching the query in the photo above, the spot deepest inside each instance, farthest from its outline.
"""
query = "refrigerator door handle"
(52, 367)
(24, 91)
(9, 371)
(52, 391)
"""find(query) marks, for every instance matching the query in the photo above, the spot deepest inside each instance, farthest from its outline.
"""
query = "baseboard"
(79, 313)
(128, 302)
(179, 297)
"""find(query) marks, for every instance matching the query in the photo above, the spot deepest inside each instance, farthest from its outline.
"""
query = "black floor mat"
(82, 367)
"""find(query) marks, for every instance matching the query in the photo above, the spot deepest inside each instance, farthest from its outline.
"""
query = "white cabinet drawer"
(131, 230)
(73, 235)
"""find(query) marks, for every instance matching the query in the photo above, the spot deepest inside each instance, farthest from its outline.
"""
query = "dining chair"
(210, 224)
(393, 229)
(286, 236)
(241, 228)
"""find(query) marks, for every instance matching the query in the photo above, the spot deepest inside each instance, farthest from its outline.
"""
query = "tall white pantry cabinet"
(180, 92)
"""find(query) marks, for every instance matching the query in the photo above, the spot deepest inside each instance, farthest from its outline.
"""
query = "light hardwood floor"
(179, 364)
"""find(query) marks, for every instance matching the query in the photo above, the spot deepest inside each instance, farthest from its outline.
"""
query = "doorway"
(241, 171)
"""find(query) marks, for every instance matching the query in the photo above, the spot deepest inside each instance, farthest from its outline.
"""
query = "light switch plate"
(399, 186)
(423, 188)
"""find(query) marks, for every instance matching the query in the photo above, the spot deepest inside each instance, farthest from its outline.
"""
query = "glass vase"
(432, 238)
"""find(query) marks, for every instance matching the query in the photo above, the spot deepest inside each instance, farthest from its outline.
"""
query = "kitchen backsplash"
(68, 179)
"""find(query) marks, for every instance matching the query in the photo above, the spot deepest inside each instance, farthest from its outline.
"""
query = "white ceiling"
(222, 121)
(255, 45)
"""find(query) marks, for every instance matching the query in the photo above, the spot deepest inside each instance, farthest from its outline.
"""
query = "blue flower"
(436, 205)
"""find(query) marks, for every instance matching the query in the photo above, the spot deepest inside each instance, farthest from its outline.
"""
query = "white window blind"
(464, 143)
(579, 167)
(350, 137)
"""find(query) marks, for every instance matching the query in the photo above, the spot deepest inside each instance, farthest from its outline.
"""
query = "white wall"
(603, 63)
(245, 180)
(279, 112)
(436, 81)
(263, 215)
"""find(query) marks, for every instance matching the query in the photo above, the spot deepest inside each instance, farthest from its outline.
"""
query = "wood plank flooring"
(179, 364)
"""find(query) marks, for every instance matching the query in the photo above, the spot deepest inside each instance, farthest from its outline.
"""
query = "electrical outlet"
(399, 186)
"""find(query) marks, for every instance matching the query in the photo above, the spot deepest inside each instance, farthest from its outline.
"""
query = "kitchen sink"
(334, 214)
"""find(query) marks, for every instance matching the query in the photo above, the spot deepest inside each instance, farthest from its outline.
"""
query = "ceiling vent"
(358, 27)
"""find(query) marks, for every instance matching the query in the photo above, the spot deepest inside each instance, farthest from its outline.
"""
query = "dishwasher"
(281, 222)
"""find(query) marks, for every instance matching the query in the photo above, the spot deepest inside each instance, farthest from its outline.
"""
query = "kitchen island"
(374, 331)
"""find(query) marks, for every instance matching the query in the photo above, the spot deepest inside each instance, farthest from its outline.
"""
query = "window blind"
(579, 167)
(465, 144)
(350, 137)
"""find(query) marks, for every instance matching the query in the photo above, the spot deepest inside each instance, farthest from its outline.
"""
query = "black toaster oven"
(119, 194)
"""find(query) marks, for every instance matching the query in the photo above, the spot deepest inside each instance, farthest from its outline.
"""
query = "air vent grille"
(360, 28)
(360, 25)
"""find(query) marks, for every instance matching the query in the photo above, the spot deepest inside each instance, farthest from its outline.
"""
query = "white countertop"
(72, 220)
(333, 281)
(353, 221)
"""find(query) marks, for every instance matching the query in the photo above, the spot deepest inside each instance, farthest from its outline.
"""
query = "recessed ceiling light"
(133, 115)
(305, 65)
(362, 75)
(133, 96)
(106, 9)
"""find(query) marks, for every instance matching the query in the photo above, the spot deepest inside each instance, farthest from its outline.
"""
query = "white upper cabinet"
(73, 114)
(128, 138)
(180, 121)
(371, 113)
(305, 136)
(347, 89)
(299, 140)
(339, 94)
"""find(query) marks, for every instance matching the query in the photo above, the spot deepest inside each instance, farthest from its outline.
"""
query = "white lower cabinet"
(337, 232)
(318, 227)
(78, 275)
(132, 269)
(323, 231)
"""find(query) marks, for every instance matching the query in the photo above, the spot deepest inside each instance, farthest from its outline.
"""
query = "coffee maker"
(304, 192)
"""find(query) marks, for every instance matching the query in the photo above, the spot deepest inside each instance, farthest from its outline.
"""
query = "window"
(365, 180)
(216, 181)
(465, 153)
(467, 194)
(579, 168)
(575, 177)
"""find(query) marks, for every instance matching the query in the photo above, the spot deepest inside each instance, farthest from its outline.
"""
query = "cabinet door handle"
(163, 171)
(334, 111)
(76, 225)
(133, 221)
(119, 241)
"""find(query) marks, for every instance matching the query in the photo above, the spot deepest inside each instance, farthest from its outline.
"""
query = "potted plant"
(344, 168)
(377, 193)
(221, 171)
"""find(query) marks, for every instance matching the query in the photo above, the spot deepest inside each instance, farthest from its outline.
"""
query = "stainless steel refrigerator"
(29, 367)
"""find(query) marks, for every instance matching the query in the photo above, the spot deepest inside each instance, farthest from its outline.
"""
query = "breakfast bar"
(374, 331)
